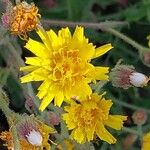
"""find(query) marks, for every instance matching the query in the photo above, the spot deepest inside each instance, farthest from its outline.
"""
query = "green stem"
(127, 39)
(129, 105)
(125, 129)
(140, 131)
(62, 23)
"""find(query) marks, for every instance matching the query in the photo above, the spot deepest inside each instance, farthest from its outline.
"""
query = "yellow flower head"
(146, 142)
(22, 18)
(90, 117)
(62, 63)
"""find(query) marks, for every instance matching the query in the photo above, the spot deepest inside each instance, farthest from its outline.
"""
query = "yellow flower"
(62, 63)
(148, 38)
(146, 142)
(90, 117)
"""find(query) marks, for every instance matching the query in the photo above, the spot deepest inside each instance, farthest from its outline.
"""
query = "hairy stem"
(61, 23)
(130, 130)
(10, 115)
(127, 39)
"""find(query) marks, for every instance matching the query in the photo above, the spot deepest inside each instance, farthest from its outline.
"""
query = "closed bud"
(129, 141)
(53, 118)
(125, 76)
(139, 117)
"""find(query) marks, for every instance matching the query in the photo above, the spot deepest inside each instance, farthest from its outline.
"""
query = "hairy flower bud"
(125, 76)
(53, 118)
(129, 141)
(139, 117)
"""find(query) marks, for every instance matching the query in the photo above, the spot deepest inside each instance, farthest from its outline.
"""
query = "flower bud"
(29, 104)
(129, 141)
(125, 76)
(146, 58)
(53, 118)
(120, 76)
(139, 117)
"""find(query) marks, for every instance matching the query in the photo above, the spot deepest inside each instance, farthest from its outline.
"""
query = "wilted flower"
(125, 76)
(62, 63)
(139, 117)
(6, 136)
(21, 18)
(90, 117)
(146, 141)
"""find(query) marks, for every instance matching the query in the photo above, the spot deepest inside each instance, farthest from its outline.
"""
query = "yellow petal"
(98, 73)
(104, 135)
(46, 101)
(78, 135)
(90, 133)
(45, 38)
(81, 89)
(115, 121)
(105, 105)
(70, 124)
(65, 34)
(146, 142)
(59, 97)
(28, 68)
(37, 75)
(37, 48)
(79, 33)
(102, 50)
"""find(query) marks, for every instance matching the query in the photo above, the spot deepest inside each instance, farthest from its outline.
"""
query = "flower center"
(67, 66)
(89, 117)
